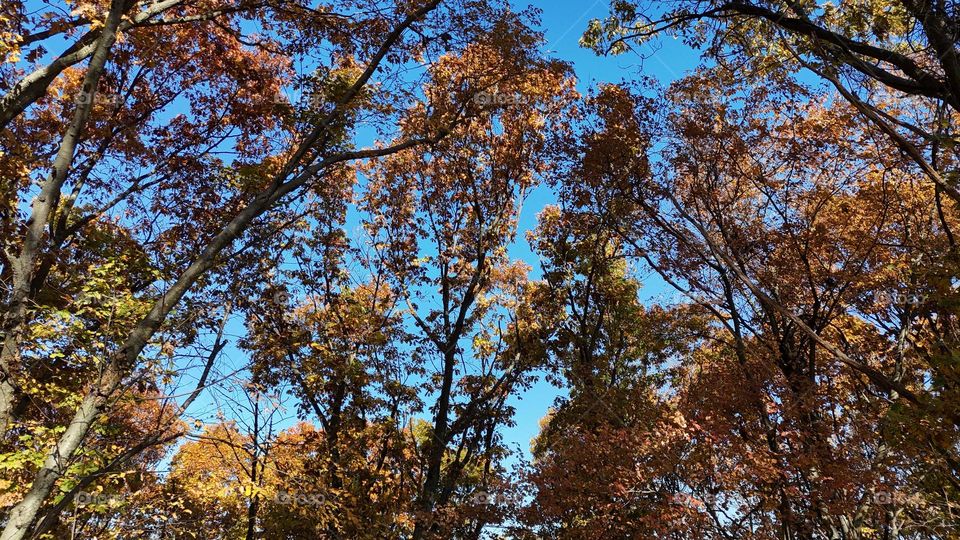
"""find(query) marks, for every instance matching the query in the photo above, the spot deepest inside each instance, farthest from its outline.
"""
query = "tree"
(441, 223)
(127, 152)
(780, 225)
(596, 472)
(342, 326)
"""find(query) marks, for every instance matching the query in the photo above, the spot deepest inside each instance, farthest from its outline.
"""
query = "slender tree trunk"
(41, 210)
(252, 516)
(254, 500)
(23, 515)
(438, 446)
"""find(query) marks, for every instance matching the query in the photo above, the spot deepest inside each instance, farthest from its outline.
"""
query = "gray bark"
(42, 209)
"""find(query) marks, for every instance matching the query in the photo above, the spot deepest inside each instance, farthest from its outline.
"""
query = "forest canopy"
(285, 269)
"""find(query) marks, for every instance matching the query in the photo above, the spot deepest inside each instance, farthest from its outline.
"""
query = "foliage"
(264, 276)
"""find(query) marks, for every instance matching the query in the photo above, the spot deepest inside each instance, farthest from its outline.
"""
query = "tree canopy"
(267, 271)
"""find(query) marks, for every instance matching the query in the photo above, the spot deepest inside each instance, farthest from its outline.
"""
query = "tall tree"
(188, 130)
(802, 240)
(441, 222)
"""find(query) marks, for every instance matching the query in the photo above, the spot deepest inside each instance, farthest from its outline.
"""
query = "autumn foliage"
(268, 272)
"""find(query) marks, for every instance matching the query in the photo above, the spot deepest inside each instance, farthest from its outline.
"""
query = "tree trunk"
(438, 446)
(42, 209)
